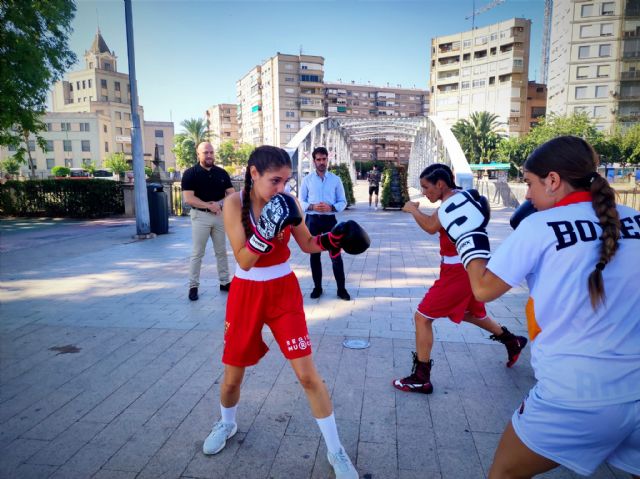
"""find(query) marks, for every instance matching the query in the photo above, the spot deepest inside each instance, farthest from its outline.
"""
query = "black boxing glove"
(525, 209)
(464, 216)
(279, 212)
(348, 235)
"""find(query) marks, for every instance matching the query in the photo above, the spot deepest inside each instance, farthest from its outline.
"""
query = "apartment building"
(91, 117)
(485, 69)
(594, 61)
(279, 97)
(351, 100)
(536, 103)
(222, 122)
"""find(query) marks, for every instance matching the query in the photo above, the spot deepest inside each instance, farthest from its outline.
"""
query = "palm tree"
(478, 136)
(196, 130)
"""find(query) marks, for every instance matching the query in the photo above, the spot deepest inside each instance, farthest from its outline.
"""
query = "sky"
(190, 54)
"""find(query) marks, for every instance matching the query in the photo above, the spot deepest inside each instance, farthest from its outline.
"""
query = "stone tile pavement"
(108, 371)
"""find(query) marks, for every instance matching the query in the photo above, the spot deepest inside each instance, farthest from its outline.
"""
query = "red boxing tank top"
(447, 248)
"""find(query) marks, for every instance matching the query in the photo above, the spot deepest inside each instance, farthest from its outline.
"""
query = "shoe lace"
(341, 461)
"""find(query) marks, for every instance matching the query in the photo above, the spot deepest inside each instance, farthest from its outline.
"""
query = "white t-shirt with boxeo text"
(581, 357)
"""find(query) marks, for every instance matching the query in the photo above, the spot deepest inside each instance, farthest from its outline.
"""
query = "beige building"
(279, 97)
(485, 69)
(91, 118)
(368, 101)
(536, 103)
(594, 61)
(222, 122)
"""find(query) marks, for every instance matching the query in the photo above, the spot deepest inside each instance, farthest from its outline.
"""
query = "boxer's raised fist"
(279, 212)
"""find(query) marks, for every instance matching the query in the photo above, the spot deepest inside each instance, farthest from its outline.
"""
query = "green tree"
(195, 129)
(478, 136)
(630, 146)
(90, 167)
(185, 150)
(34, 53)
(243, 152)
(60, 171)
(117, 163)
(226, 153)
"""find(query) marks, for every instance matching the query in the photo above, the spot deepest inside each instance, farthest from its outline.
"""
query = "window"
(68, 162)
(118, 130)
(465, 85)
(117, 85)
(478, 83)
(583, 52)
(32, 145)
(606, 29)
(107, 66)
(70, 86)
(289, 79)
(84, 127)
(604, 71)
(601, 91)
(289, 114)
(313, 78)
(586, 10)
(49, 146)
(103, 83)
(599, 111)
(161, 150)
(106, 146)
(86, 145)
(604, 50)
(119, 115)
(84, 84)
(581, 92)
(104, 128)
(608, 8)
(466, 43)
(518, 63)
(582, 72)
(159, 134)
(65, 126)
(586, 31)
(51, 162)
(89, 83)
(77, 85)
(66, 145)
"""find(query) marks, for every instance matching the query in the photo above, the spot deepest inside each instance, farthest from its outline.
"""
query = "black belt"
(204, 209)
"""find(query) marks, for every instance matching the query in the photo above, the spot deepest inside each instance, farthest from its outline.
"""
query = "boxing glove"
(525, 209)
(464, 216)
(348, 235)
(279, 212)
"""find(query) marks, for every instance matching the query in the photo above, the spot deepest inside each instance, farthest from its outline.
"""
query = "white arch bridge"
(431, 142)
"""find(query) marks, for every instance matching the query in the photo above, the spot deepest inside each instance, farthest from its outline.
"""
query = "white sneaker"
(342, 465)
(376, 208)
(217, 439)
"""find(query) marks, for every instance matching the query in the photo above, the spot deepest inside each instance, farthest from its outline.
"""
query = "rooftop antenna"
(300, 50)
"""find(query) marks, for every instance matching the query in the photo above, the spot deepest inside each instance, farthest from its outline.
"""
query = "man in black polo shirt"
(204, 187)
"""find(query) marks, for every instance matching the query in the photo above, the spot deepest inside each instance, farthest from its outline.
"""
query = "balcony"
(635, 75)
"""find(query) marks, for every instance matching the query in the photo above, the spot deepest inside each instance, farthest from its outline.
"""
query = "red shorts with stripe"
(451, 296)
(252, 304)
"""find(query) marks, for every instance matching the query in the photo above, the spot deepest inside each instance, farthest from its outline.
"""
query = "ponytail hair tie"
(592, 176)
(600, 266)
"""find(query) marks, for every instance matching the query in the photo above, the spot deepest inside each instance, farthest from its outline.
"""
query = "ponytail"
(604, 205)
(246, 204)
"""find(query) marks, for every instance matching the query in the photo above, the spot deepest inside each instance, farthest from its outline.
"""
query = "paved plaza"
(107, 370)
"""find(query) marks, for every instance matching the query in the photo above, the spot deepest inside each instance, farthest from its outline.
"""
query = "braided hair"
(263, 158)
(439, 171)
(576, 162)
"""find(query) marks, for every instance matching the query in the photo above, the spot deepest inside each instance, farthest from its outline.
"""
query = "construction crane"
(546, 41)
(480, 10)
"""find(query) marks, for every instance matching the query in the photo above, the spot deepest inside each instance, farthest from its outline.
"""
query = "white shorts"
(581, 439)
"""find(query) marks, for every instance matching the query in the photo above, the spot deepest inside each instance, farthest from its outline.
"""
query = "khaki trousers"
(204, 226)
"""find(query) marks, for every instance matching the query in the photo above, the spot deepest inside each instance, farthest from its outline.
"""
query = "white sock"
(329, 432)
(228, 414)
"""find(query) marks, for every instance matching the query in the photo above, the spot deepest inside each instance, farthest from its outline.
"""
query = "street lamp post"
(143, 224)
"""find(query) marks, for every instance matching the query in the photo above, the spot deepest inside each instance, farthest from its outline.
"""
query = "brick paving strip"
(107, 370)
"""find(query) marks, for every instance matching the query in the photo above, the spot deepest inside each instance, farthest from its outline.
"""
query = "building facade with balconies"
(485, 69)
(279, 97)
(594, 61)
(222, 123)
(536, 103)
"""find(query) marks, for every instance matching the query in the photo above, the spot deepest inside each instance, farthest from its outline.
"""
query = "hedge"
(342, 171)
(62, 198)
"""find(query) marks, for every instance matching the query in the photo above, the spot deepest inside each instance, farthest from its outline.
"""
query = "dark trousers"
(319, 224)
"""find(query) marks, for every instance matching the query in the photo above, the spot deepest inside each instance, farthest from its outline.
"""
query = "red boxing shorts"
(451, 296)
(252, 304)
